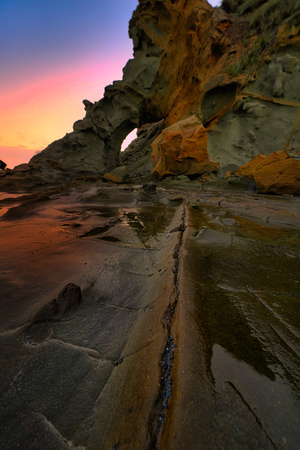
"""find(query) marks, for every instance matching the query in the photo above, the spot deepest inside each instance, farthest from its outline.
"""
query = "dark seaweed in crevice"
(166, 380)
(161, 404)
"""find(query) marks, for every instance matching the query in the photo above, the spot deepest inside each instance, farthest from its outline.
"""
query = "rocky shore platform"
(149, 316)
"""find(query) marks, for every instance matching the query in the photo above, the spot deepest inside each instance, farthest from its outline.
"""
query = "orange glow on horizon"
(36, 114)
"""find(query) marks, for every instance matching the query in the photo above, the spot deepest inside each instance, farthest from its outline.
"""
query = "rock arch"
(144, 95)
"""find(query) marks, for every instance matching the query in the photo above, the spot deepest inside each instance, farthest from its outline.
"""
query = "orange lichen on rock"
(277, 173)
(117, 175)
(247, 170)
(227, 174)
(182, 149)
(111, 177)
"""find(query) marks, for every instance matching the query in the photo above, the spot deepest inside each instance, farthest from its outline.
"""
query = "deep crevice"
(159, 413)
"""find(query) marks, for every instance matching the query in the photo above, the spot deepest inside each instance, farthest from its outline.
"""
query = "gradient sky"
(54, 54)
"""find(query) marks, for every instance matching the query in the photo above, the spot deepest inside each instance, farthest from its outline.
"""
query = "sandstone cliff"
(234, 70)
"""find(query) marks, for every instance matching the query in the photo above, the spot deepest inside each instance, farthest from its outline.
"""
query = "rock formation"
(2, 165)
(275, 173)
(234, 69)
(182, 149)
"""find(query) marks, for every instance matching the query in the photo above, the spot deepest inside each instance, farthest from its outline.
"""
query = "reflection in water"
(149, 221)
(220, 321)
(266, 233)
(244, 301)
(264, 398)
(92, 210)
(240, 297)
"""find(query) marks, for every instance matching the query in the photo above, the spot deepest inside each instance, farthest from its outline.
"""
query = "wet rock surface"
(154, 316)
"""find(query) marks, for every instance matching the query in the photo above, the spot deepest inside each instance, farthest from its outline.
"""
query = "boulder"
(277, 173)
(182, 149)
(247, 170)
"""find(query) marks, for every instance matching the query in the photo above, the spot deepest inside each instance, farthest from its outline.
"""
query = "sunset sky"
(54, 54)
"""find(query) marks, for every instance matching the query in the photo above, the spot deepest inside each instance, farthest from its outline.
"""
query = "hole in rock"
(216, 101)
(214, 2)
(129, 138)
(217, 51)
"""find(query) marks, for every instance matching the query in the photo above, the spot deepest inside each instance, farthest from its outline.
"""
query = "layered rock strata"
(142, 318)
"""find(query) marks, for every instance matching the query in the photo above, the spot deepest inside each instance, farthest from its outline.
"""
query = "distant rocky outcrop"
(2, 165)
(235, 70)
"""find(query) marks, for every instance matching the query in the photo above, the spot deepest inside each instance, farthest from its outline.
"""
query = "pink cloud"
(61, 82)
(13, 156)
(36, 114)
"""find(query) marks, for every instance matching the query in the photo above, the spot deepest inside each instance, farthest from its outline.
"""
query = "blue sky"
(39, 35)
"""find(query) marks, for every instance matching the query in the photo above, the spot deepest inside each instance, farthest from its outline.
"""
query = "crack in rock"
(159, 413)
(257, 419)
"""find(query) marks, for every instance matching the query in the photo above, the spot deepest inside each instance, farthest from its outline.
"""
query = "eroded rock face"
(95, 143)
(192, 60)
(264, 116)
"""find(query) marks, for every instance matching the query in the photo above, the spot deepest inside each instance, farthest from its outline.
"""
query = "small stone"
(117, 176)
